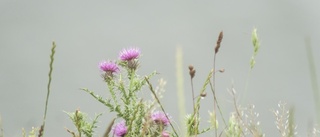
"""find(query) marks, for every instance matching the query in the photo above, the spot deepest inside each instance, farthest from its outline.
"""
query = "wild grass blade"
(313, 78)
(1, 129)
(180, 90)
(41, 131)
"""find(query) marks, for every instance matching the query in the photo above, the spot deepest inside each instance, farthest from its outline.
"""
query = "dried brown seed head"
(190, 67)
(216, 49)
(192, 73)
(203, 94)
(221, 70)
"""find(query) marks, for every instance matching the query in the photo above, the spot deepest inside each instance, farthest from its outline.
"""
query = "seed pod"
(190, 67)
(203, 94)
(192, 73)
(216, 49)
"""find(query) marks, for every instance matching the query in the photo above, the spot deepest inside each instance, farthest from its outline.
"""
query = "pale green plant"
(256, 47)
(1, 129)
(125, 100)
(32, 133)
(313, 78)
(180, 89)
(285, 120)
(84, 127)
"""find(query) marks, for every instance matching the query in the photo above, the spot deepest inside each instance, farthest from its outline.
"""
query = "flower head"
(120, 129)
(129, 54)
(160, 118)
(108, 66)
(165, 134)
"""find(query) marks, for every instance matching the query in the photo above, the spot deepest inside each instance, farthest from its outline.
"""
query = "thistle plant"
(138, 116)
(134, 115)
(84, 127)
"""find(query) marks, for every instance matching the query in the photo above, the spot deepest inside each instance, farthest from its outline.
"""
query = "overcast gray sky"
(88, 32)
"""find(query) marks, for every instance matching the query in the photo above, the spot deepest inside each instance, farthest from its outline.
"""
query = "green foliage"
(124, 100)
(193, 120)
(124, 97)
(84, 127)
(32, 133)
(256, 46)
(234, 128)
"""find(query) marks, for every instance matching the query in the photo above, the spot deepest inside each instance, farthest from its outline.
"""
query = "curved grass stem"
(41, 131)
(156, 97)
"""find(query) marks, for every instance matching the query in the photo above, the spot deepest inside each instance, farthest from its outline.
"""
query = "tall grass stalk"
(41, 131)
(216, 50)
(313, 78)
(256, 47)
(180, 90)
(1, 129)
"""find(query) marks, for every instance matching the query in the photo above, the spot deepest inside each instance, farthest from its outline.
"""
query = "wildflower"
(129, 54)
(160, 118)
(108, 66)
(120, 129)
(165, 134)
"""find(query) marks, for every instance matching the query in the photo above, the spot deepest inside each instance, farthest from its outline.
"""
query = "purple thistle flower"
(129, 54)
(108, 66)
(120, 129)
(160, 118)
(165, 134)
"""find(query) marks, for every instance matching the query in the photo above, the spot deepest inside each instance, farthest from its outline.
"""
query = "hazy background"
(88, 32)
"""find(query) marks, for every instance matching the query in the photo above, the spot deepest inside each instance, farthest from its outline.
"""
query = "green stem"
(48, 88)
(180, 90)
(111, 89)
(213, 92)
(1, 129)
(156, 97)
(217, 103)
(246, 86)
(313, 78)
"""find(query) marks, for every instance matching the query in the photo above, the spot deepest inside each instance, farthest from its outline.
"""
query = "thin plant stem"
(216, 50)
(313, 78)
(213, 91)
(246, 86)
(216, 101)
(78, 122)
(191, 79)
(1, 129)
(256, 46)
(156, 97)
(180, 90)
(236, 108)
(195, 110)
(109, 128)
(133, 117)
(41, 131)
